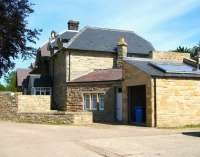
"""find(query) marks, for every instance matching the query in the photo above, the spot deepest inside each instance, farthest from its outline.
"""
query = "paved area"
(33, 140)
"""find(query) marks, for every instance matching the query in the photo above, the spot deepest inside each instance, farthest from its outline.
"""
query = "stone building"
(161, 93)
(76, 54)
(88, 50)
(117, 75)
(99, 91)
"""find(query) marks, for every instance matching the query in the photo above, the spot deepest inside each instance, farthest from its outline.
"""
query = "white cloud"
(147, 18)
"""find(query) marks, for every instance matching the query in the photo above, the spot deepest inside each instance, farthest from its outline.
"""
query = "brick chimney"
(122, 50)
(73, 25)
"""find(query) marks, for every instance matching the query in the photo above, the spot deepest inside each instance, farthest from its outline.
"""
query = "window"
(41, 91)
(93, 101)
(86, 102)
(101, 102)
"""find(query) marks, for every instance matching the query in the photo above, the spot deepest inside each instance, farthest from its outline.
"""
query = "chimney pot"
(73, 25)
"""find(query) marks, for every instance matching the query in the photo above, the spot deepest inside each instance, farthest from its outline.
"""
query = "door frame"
(116, 104)
(129, 101)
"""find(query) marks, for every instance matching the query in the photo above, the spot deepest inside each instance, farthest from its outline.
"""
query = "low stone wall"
(34, 103)
(12, 107)
(78, 118)
(8, 105)
(161, 55)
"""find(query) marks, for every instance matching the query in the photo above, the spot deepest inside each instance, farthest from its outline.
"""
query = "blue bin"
(139, 114)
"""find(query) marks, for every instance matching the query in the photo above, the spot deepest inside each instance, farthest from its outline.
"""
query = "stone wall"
(178, 102)
(78, 118)
(132, 76)
(85, 62)
(34, 103)
(74, 97)
(9, 111)
(161, 55)
(8, 105)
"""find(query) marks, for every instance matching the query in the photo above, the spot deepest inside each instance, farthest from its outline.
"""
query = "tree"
(193, 51)
(11, 82)
(2, 88)
(183, 49)
(15, 36)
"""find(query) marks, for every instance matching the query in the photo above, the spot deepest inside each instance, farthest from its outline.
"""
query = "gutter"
(155, 102)
(69, 77)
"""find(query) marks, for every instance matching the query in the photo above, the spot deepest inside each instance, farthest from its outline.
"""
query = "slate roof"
(145, 66)
(100, 39)
(39, 81)
(44, 51)
(22, 75)
(65, 37)
(101, 75)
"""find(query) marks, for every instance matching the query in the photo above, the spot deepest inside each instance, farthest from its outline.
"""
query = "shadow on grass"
(194, 134)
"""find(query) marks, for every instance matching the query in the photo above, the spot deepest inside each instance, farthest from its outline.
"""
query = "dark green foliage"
(193, 51)
(14, 32)
(2, 88)
(11, 82)
(183, 49)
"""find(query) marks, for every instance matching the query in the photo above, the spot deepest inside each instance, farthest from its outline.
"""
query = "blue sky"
(166, 23)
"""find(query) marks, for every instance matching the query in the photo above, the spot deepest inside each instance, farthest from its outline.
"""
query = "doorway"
(119, 104)
(137, 104)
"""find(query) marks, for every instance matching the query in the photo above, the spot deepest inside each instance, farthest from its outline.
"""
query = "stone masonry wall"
(9, 111)
(85, 62)
(8, 105)
(132, 76)
(178, 102)
(78, 118)
(161, 55)
(74, 96)
(34, 103)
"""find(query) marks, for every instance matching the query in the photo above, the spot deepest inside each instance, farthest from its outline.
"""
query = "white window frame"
(100, 106)
(91, 101)
(41, 90)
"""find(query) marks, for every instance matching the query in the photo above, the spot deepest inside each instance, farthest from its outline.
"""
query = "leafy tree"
(11, 82)
(193, 51)
(183, 49)
(2, 88)
(15, 36)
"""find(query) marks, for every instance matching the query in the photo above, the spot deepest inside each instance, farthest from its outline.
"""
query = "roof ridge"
(110, 29)
(119, 30)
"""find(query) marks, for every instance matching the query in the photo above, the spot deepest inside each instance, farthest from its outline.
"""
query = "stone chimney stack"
(73, 25)
(122, 50)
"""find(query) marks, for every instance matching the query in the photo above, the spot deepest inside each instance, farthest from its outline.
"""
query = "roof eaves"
(73, 82)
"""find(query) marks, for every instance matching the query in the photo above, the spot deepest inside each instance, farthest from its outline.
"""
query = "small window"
(94, 101)
(41, 91)
(86, 102)
(101, 102)
(37, 92)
